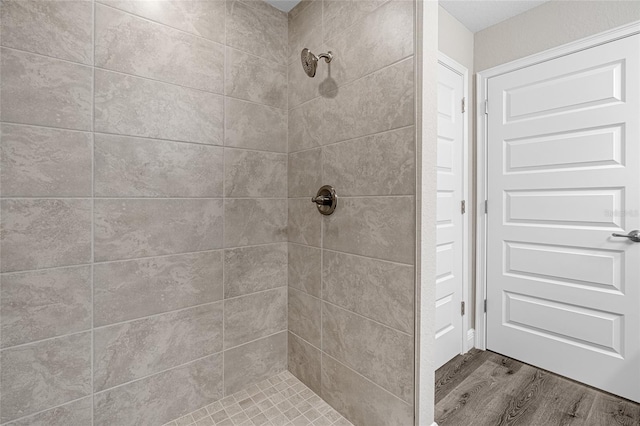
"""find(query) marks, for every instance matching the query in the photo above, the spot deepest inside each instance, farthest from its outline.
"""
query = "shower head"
(310, 61)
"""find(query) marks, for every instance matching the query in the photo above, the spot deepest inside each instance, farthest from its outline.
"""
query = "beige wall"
(118, 221)
(351, 275)
(549, 25)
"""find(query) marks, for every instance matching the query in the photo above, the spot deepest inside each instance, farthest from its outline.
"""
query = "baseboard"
(471, 338)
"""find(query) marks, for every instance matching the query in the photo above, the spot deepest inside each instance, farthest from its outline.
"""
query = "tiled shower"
(159, 249)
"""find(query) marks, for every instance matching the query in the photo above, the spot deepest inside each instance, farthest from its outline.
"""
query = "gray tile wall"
(351, 275)
(143, 172)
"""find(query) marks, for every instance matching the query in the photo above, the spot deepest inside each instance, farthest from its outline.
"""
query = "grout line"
(47, 339)
(147, 317)
(284, 330)
(369, 380)
(157, 80)
(93, 155)
(224, 183)
(89, 197)
(14, 421)
(101, 3)
(138, 379)
(42, 55)
(199, 89)
(321, 300)
(354, 255)
(355, 197)
(150, 137)
(353, 24)
(78, 265)
(306, 341)
(369, 135)
(355, 80)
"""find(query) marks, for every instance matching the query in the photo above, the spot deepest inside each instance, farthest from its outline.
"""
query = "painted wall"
(549, 25)
(144, 214)
(457, 42)
(427, 121)
(351, 275)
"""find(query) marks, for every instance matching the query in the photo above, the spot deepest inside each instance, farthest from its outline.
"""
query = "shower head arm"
(327, 56)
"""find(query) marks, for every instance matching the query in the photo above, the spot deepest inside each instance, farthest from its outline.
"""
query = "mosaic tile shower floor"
(282, 400)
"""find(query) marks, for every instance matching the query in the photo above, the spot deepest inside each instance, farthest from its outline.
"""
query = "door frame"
(482, 79)
(463, 72)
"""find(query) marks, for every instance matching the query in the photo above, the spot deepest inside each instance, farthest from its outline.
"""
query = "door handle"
(633, 236)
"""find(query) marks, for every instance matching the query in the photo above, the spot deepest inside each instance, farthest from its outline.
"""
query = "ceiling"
(283, 5)
(477, 15)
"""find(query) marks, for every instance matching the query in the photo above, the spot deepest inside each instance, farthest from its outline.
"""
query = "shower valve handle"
(322, 200)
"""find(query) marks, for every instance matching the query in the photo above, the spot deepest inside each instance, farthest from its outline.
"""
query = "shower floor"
(282, 400)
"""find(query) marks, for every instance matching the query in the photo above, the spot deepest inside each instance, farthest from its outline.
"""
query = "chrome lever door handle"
(633, 236)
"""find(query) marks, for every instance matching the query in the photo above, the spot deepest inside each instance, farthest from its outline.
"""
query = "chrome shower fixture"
(310, 61)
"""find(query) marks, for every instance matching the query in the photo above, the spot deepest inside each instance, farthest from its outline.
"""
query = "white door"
(563, 176)
(449, 216)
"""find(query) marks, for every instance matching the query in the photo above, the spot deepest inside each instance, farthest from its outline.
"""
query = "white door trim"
(467, 218)
(481, 138)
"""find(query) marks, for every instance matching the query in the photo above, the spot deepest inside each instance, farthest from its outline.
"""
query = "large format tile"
(381, 164)
(129, 351)
(359, 400)
(254, 79)
(253, 316)
(306, 126)
(379, 353)
(304, 316)
(138, 107)
(304, 222)
(130, 228)
(305, 173)
(305, 30)
(45, 91)
(256, 361)
(338, 15)
(61, 29)
(156, 400)
(137, 46)
(42, 304)
(44, 233)
(251, 269)
(136, 167)
(373, 288)
(254, 173)
(380, 101)
(304, 362)
(138, 288)
(74, 413)
(305, 268)
(370, 228)
(256, 31)
(41, 375)
(299, 8)
(200, 17)
(301, 88)
(254, 126)
(388, 31)
(282, 392)
(37, 161)
(251, 222)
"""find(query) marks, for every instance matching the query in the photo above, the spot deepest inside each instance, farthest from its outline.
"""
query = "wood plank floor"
(482, 388)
